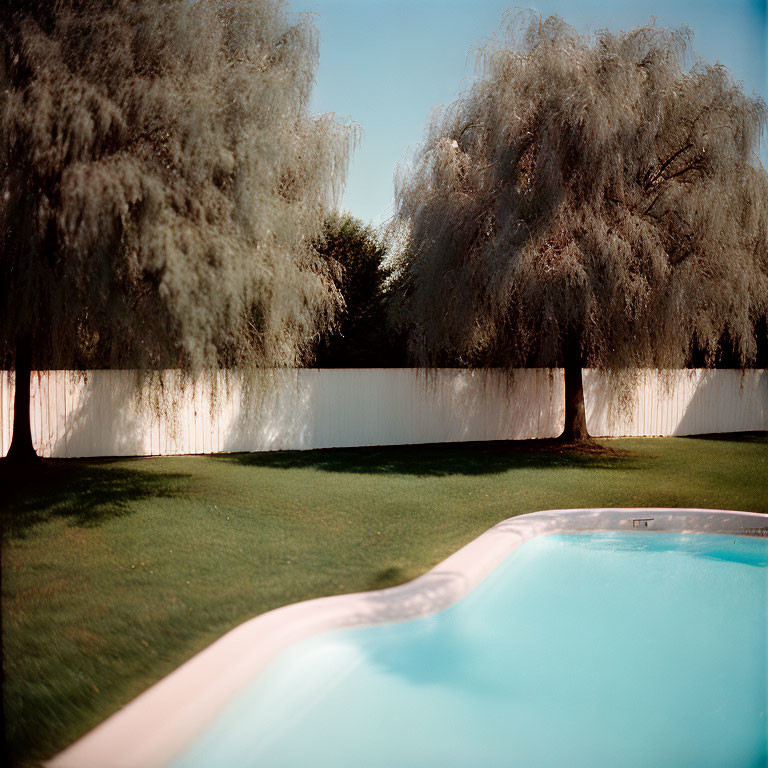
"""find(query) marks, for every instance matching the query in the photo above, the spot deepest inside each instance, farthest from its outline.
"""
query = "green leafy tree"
(362, 337)
(588, 201)
(162, 182)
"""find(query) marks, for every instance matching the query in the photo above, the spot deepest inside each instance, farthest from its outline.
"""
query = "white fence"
(101, 414)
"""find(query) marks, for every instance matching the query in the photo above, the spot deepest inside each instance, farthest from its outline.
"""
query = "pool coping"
(155, 727)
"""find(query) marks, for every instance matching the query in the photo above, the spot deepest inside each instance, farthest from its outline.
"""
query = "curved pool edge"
(156, 726)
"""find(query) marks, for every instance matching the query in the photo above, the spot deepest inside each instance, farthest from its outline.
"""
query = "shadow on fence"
(117, 413)
(106, 420)
(715, 406)
(274, 411)
(680, 402)
(309, 409)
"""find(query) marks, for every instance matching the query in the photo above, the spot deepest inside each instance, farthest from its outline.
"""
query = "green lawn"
(116, 571)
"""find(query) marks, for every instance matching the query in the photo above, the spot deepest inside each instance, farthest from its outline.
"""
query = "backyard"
(223, 252)
(117, 571)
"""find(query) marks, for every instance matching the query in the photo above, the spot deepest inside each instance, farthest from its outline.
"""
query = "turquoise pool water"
(594, 650)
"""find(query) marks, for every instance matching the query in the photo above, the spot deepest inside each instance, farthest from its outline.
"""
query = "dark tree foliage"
(162, 183)
(362, 337)
(589, 201)
(727, 354)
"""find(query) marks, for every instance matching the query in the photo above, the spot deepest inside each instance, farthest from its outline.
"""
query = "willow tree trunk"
(575, 430)
(22, 450)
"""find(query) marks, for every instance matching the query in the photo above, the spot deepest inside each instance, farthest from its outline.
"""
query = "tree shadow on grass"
(87, 493)
(443, 459)
(755, 438)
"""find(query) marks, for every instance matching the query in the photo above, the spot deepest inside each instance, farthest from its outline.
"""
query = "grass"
(116, 571)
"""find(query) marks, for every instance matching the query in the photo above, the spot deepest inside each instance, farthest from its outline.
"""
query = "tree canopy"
(163, 182)
(588, 199)
(362, 337)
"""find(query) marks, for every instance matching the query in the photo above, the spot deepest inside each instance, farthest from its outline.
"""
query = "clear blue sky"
(387, 63)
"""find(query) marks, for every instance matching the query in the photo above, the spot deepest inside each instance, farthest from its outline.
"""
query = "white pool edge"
(156, 726)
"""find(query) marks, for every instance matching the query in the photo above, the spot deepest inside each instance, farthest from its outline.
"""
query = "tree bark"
(575, 430)
(22, 451)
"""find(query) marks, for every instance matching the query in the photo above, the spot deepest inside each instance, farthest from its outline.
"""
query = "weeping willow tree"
(588, 201)
(162, 183)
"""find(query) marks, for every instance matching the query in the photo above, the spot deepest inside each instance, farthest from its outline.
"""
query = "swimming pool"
(566, 637)
(594, 650)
